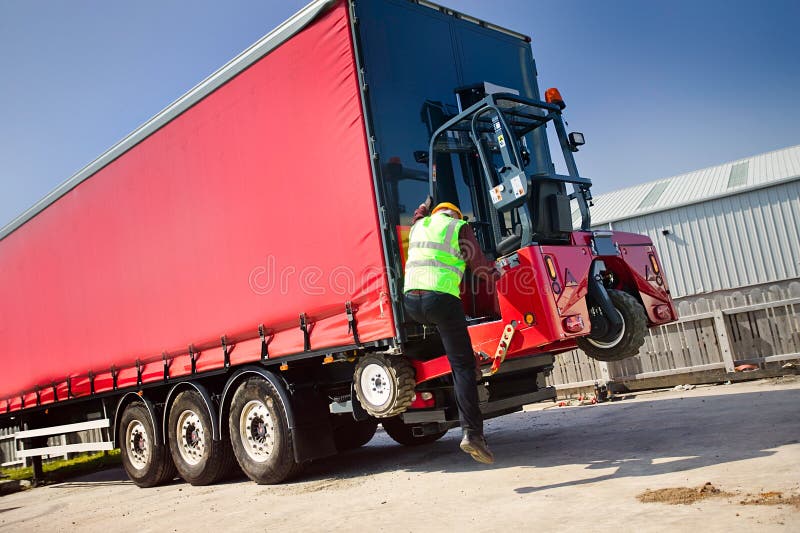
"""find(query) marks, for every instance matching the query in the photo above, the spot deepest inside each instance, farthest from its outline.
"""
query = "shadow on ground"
(643, 438)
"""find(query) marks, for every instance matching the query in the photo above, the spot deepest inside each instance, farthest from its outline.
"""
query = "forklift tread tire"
(384, 384)
(628, 341)
(402, 433)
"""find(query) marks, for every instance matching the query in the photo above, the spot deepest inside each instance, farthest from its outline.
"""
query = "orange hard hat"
(450, 207)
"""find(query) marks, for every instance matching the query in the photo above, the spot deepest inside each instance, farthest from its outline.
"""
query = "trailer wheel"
(260, 434)
(384, 384)
(403, 433)
(627, 342)
(349, 433)
(146, 459)
(199, 459)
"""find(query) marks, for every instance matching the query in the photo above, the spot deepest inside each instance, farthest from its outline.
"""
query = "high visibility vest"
(434, 259)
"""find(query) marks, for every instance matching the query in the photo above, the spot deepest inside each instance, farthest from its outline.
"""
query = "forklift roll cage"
(498, 123)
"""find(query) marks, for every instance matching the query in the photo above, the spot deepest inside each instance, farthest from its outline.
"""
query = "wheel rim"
(376, 385)
(257, 430)
(605, 345)
(138, 444)
(191, 437)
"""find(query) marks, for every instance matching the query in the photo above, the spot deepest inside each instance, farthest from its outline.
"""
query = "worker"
(441, 244)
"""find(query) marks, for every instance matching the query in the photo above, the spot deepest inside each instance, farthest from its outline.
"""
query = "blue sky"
(658, 87)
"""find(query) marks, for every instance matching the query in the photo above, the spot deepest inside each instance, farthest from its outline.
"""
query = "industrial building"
(729, 241)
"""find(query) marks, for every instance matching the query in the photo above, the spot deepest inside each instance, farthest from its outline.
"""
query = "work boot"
(475, 445)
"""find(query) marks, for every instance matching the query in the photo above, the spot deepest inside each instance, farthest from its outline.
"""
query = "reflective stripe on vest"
(434, 260)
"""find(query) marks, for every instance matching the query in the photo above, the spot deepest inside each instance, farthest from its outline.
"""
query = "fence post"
(38, 472)
(723, 341)
(605, 373)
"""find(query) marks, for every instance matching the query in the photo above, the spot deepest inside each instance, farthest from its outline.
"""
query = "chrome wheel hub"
(191, 437)
(138, 444)
(257, 430)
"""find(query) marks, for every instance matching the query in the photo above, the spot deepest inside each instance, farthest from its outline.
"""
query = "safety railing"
(719, 339)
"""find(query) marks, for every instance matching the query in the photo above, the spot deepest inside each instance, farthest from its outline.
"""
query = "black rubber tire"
(401, 433)
(349, 433)
(401, 383)
(217, 459)
(634, 319)
(158, 468)
(279, 464)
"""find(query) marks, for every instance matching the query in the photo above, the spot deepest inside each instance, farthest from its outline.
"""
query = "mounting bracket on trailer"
(69, 387)
(264, 342)
(226, 355)
(55, 392)
(502, 348)
(193, 359)
(38, 396)
(166, 366)
(138, 373)
(306, 328)
(351, 323)
(114, 378)
(91, 382)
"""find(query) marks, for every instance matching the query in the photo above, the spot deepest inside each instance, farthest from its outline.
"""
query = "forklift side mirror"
(421, 156)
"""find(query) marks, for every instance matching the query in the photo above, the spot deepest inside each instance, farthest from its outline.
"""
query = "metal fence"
(8, 456)
(755, 325)
(8, 445)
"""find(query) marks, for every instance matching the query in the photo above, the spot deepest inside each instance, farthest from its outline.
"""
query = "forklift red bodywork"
(530, 290)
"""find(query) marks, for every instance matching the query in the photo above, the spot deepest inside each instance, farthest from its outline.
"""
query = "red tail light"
(573, 324)
(423, 400)
(663, 312)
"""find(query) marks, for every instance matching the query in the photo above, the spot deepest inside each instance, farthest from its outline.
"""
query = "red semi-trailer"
(224, 285)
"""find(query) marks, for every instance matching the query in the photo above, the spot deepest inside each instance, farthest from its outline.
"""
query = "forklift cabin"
(515, 204)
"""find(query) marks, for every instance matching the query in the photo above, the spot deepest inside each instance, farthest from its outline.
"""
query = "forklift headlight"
(576, 139)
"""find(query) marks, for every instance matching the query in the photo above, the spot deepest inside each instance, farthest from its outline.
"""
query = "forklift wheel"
(627, 342)
(384, 384)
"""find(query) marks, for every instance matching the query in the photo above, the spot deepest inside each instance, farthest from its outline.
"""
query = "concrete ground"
(558, 469)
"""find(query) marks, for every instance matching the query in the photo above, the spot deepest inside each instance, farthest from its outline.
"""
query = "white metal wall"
(727, 243)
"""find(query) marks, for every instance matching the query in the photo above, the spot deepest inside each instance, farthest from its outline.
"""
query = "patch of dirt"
(772, 498)
(783, 380)
(689, 495)
(682, 495)
(312, 486)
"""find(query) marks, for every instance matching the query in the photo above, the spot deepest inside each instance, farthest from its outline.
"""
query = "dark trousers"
(447, 314)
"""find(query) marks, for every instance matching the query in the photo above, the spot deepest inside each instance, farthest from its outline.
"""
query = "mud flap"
(358, 411)
(312, 433)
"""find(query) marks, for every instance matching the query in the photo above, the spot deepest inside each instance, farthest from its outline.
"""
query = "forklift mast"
(522, 203)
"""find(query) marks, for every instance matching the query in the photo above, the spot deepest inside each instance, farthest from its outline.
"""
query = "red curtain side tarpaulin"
(252, 207)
